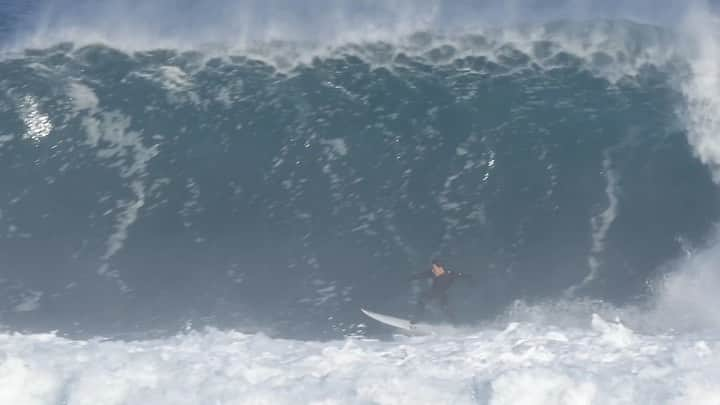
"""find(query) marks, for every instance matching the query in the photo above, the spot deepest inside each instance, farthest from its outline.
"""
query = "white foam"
(82, 96)
(5, 138)
(177, 83)
(338, 147)
(524, 364)
(613, 333)
(686, 298)
(30, 301)
(702, 90)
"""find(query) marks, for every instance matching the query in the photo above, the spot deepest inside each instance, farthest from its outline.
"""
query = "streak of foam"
(30, 301)
(109, 135)
(601, 224)
(335, 151)
(128, 215)
(464, 211)
(5, 139)
(174, 80)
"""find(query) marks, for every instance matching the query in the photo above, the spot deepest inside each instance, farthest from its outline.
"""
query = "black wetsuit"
(438, 291)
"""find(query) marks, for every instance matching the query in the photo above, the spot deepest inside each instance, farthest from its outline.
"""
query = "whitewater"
(195, 203)
(522, 364)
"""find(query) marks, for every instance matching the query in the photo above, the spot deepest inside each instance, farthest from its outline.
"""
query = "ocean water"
(194, 213)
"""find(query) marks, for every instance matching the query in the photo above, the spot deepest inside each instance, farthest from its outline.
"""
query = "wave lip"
(612, 47)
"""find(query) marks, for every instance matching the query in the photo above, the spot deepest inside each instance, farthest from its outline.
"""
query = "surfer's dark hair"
(436, 262)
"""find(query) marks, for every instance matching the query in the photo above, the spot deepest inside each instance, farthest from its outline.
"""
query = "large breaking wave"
(163, 186)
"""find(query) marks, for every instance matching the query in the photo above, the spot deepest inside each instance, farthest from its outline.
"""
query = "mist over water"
(182, 24)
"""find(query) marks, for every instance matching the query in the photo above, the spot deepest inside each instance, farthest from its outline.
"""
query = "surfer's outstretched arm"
(466, 277)
(421, 275)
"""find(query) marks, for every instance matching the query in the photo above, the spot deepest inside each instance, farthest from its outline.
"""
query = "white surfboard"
(400, 323)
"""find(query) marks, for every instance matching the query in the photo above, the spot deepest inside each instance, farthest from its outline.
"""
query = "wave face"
(287, 184)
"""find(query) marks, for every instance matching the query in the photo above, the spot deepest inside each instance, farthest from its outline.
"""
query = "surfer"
(442, 279)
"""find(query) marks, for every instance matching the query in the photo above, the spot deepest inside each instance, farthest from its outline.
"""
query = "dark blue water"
(143, 190)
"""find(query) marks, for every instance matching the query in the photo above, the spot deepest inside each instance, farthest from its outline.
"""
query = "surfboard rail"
(400, 323)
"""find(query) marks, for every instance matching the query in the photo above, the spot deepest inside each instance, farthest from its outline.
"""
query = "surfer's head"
(437, 268)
